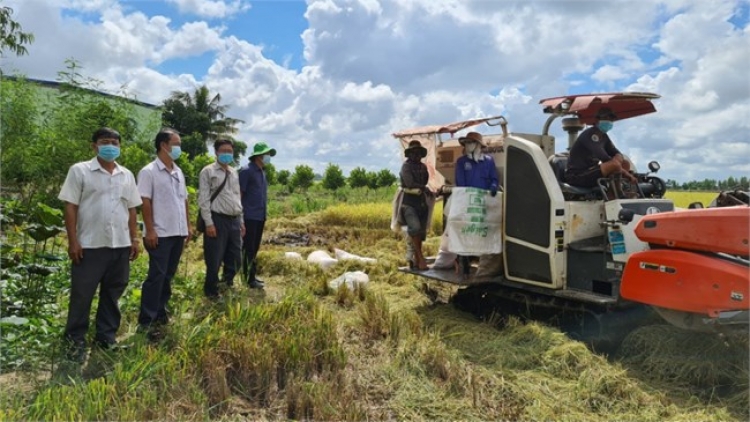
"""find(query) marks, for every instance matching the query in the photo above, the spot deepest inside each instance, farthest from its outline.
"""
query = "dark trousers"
(250, 247)
(157, 289)
(225, 248)
(108, 269)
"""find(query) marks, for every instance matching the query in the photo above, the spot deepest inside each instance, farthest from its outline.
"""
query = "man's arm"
(135, 243)
(494, 182)
(75, 252)
(187, 218)
(150, 238)
(204, 196)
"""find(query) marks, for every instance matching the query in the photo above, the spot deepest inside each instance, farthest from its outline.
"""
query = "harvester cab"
(562, 246)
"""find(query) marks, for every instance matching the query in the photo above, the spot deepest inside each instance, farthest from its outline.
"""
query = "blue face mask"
(175, 152)
(266, 159)
(605, 125)
(226, 158)
(108, 153)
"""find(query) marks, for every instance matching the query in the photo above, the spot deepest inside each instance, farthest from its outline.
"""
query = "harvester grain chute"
(571, 248)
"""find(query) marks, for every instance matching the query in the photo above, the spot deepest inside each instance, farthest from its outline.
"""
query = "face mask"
(266, 159)
(470, 147)
(226, 158)
(108, 153)
(175, 152)
(605, 125)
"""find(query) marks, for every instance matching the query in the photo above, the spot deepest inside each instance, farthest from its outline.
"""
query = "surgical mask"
(605, 125)
(470, 147)
(226, 158)
(108, 153)
(266, 159)
(175, 152)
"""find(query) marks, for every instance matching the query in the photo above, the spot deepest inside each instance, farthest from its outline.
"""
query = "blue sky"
(327, 81)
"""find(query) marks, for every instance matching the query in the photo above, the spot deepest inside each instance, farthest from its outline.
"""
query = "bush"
(333, 178)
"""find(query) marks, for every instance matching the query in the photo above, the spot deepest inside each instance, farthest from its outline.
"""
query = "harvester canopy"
(624, 104)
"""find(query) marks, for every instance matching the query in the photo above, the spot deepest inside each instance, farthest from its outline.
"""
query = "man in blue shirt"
(254, 190)
(476, 169)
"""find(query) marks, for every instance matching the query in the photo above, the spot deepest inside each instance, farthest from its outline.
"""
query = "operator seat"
(559, 163)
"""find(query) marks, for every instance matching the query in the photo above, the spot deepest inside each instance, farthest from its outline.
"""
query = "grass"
(299, 350)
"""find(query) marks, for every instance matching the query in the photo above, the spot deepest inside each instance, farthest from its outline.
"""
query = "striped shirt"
(229, 200)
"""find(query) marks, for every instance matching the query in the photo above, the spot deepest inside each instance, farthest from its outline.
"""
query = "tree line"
(730, 183)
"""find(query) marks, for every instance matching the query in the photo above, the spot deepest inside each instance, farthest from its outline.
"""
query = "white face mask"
(470, 147)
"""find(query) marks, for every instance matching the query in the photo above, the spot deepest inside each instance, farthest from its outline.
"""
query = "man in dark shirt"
(594, 156)
(254, 191)
(414, 212)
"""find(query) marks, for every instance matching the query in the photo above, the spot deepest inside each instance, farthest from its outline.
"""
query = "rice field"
(302, 351)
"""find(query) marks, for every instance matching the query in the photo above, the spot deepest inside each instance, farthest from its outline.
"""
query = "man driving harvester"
(594, 156)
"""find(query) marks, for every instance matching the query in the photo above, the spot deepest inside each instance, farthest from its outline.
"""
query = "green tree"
(372, 180)
(12, 38)
(202, 114)
(44, 134)
(333, 177)
(270, 171)
(283, 177)
(386, 178)
(302, 178)
(358, 177)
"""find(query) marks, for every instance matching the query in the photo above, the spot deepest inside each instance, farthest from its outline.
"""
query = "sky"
(328, 81)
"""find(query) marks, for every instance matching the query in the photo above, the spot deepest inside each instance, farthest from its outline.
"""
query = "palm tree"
(199, 118)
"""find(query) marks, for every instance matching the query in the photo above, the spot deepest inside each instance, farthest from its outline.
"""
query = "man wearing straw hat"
(475, 168)
(254, 190)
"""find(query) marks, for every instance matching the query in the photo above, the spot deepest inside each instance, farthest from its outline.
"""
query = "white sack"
(321, 258)
(292, 255)
(351, 279)
(343, 255)
(474, 222)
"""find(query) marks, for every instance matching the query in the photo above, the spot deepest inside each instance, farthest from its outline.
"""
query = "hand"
(242, 231)
(135, 250)
(493, 191)
(75, 252)
(211, 231)
(190, 234)
(151, 240)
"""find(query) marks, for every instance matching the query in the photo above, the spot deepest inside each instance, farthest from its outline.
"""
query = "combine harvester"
(569, 248)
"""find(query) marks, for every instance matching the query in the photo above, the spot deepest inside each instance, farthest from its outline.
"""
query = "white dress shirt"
(103, 201)
(167, 192)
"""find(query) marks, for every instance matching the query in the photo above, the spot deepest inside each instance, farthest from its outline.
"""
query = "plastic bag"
(351, 279)
(321, 258)
(343, 255)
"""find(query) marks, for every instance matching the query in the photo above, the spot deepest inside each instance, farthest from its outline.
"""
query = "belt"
(218, 214)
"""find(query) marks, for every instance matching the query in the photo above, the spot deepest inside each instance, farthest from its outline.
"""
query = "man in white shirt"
(222, 241)
(100, 219)
(161, 185)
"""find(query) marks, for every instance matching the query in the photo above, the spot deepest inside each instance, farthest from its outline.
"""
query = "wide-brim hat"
(472, 136)
(261, 148)
(605, 113)
(416, 145)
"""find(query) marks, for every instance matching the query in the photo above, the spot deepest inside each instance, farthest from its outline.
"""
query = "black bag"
(200, 224)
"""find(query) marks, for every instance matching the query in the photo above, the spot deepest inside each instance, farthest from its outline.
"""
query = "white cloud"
(211, 8)
(374, 67)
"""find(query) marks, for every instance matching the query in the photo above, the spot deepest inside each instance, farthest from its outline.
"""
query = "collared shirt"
(167, 192)
(591, 147)
(254, 188)
(103, 201)
(480, 174)
(228, 202)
